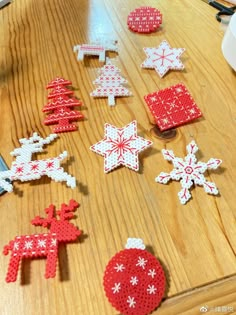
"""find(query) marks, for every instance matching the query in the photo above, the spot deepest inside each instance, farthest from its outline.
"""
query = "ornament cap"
(135, 243)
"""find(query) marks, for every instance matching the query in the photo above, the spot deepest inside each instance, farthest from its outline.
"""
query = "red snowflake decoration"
(61, 106)
(134, 280)
(45, 244)
(172, 106)
(144, 20)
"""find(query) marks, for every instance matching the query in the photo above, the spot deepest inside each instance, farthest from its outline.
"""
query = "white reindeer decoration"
(97, 49)
(24, 169)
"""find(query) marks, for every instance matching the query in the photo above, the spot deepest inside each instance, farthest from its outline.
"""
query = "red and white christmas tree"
(110, 84)
(61, 106)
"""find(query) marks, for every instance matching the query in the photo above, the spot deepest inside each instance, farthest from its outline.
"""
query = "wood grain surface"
(196, 243)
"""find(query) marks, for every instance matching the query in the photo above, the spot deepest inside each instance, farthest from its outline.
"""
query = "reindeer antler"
(38, 139)
(45, 222)
(66, 212)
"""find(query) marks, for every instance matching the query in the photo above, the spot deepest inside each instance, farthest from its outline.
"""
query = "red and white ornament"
(61, 106)
(163, 58)
(121, 146)
(26, 169)
(110, 84)
(189, 171)
(144, 20)
(172, 106)
(134, 280)
(44, 244)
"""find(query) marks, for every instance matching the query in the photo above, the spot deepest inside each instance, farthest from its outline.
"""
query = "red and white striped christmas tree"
(61, 106)
(110, 84)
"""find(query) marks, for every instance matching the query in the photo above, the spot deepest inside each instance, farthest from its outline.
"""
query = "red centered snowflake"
(134, 280)
(172, 106)
(144, 20)
(44, 244)
(121, 146)
(189, 171)
(163, 58)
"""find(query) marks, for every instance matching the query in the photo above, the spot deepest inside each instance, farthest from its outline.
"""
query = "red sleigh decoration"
(45, 244)
(61, 106)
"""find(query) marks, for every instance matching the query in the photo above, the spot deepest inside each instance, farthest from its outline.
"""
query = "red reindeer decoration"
(45, 244)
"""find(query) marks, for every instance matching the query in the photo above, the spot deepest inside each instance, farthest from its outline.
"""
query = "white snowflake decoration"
(119, 267)
(151, 289)
(141, 262)
(152, 273)
(189, 171)
(163, 58)
(116, 288)
(121, 146)
(131, 301)
(134, 280)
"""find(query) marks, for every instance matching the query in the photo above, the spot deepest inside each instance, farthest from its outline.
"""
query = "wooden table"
(196, 243)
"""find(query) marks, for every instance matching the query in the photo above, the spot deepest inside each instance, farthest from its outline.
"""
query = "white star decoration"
(134, 280)
(53, 242)
(151, 289)
(131, 301)
(28, 245)
(121, 146)
(141, 262)
(152, 273)
(16, 246)
(163, 58)
(42, 243)
(189, 172)
(119, 268)
(116, 288)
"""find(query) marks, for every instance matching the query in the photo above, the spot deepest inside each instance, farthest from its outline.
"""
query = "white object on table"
(229, 43)
(231, 1)
(4, 2)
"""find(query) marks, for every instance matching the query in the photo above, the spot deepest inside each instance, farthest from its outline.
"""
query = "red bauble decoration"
(144, 20)
(134, 280)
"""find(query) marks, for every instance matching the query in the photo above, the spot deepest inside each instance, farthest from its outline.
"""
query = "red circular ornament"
(134, 282)
(144, 20)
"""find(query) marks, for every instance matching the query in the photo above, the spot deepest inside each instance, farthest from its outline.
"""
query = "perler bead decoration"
(97, 49)
(189, 172)
(61, 106)
(144, 20)
(110, 84)
(134, 280)
(163, 58)
(45, 244)
(26, 169)
(172, 106)
(121, 146)
(3, 167)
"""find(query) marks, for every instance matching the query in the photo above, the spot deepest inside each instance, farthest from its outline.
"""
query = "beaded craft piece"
(144, 20)
(26, 169)
(163, 58)
(134, 280)
(96, 49)
(110, 83)
(45, 244)
(121, 146)
(172, 107)
(189, 172)
(61, 106)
